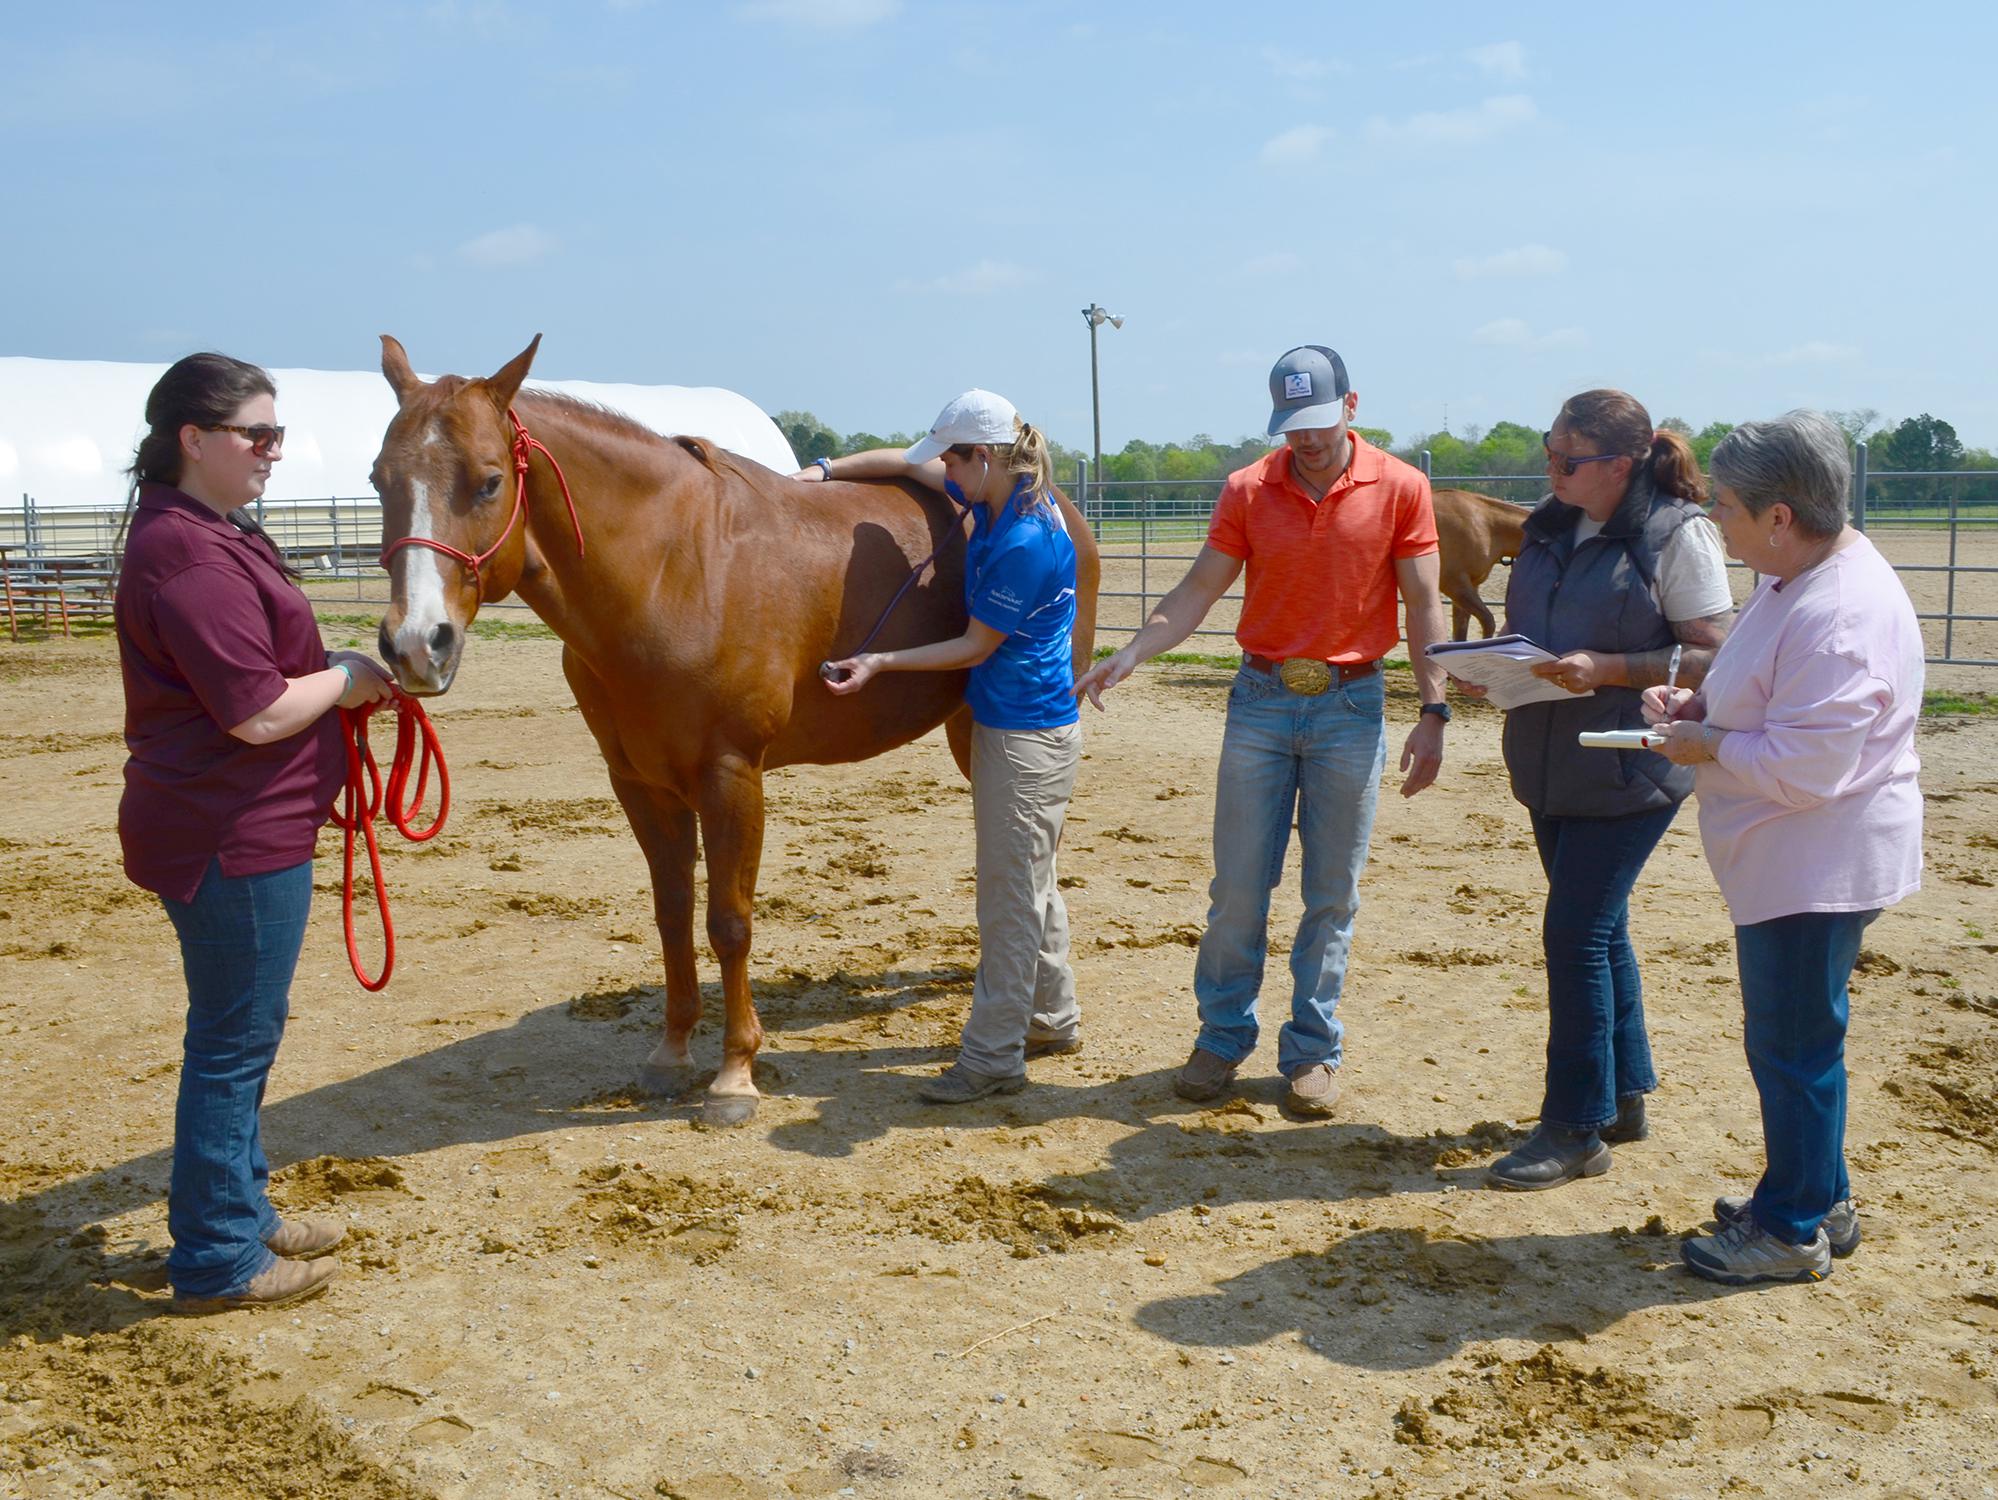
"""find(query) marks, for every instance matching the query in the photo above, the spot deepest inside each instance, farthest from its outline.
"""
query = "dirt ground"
(557, 1288)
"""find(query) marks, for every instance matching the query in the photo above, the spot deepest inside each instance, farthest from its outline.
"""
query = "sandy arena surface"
(555, 1287)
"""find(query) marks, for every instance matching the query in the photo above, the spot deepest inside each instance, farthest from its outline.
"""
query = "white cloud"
(1505, 60)
(1514, 333)
(516, 245)
(1522, 260)
(980, 280)
(1296, 148)
(1815, 352)
(1276, 263)
(1301, 69)
(819, 15)
(1454, 127)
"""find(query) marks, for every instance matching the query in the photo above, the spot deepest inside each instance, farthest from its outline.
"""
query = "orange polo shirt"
(1321, 577)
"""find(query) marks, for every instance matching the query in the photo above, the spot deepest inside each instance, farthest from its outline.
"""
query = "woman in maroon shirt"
(235, 761)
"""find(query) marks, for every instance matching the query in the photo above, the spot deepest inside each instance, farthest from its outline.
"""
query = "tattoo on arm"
(1699, 639)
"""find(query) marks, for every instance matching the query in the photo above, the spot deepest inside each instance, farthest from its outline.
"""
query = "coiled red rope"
(367, 796)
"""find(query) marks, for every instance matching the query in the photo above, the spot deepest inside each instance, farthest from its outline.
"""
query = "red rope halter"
(366, 797)
(524, 447)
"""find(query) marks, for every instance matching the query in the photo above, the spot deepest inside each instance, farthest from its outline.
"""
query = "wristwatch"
(1441, 710)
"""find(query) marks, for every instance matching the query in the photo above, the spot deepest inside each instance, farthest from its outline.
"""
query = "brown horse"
(696, 594)
(1474, 534)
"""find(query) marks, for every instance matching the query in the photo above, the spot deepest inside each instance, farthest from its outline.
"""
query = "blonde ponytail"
(1027, 455)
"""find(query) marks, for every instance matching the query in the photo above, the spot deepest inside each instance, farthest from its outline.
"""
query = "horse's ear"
(506, 384)
(395, 367)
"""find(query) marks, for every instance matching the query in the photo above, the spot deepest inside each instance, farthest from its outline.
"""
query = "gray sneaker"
(1744, 1252)
(1841, 1224)
(957, 1084)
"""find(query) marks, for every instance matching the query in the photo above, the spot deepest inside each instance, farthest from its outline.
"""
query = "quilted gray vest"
(1598, 596)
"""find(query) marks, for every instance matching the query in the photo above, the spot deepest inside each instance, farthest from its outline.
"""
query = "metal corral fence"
(1938, 528)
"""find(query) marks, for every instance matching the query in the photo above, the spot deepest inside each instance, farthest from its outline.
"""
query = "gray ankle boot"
(1551, 1156)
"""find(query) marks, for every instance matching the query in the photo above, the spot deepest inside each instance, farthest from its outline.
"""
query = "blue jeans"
(1319, 759)
(1597, 1050)
(239, 943)
(1793, 976)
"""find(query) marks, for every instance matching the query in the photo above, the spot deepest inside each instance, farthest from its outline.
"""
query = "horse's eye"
(491, 487)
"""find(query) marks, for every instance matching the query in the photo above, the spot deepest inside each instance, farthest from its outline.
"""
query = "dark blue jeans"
(1793, 994)
(1597, 1050)
(239, 943)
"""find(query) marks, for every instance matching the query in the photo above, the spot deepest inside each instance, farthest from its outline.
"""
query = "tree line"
(1924, 443)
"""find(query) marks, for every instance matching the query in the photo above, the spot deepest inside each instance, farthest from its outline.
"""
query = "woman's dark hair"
(1616, 422)
(203, 390)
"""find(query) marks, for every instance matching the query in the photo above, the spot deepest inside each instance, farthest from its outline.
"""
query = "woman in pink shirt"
(1803, 744)
(235, 759)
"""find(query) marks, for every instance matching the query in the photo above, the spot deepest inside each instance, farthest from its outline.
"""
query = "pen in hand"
(1672, 671)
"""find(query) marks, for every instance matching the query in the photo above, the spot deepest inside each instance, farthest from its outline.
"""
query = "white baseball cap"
(974, 417)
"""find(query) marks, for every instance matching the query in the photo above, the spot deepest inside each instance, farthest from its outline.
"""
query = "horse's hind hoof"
(727, 1111)
(664, 1082)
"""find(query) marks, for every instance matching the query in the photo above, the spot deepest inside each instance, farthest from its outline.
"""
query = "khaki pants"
(1020, 784)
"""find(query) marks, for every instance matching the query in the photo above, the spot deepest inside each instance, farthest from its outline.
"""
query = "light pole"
(1096, 317)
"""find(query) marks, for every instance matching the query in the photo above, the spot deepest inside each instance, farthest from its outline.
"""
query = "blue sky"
(861, 207)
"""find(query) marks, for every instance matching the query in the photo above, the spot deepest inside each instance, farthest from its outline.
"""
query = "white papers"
(1503, 667)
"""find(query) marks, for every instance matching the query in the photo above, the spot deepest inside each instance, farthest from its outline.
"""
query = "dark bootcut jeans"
(239, 943)
(1794, 1004)
(1597, 1049)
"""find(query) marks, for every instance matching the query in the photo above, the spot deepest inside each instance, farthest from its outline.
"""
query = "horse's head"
(447, 481)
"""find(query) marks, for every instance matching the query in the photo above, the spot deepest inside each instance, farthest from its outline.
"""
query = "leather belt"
(1307, 675)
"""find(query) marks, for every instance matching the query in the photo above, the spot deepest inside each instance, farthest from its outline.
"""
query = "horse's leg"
(1480, 609)
(732, 830)
(957, 733)
(1460, 620)
(664, 827)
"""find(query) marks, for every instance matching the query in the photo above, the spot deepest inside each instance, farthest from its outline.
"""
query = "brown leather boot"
(305, 1238)
(280, 1284)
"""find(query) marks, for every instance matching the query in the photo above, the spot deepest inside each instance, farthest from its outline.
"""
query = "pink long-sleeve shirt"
(1812, 804)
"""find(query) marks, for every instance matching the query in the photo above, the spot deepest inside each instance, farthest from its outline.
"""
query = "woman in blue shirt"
(1026, 737)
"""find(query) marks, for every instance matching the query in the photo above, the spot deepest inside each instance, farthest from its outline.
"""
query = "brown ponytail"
(1675, 470)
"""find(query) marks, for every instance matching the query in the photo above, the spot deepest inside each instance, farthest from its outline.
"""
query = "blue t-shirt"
(1019, 578)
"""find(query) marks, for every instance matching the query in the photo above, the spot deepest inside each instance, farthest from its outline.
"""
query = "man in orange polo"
(1334, 533)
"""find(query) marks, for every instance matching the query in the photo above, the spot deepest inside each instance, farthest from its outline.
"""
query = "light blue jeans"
(1316, 761)
(239, 943)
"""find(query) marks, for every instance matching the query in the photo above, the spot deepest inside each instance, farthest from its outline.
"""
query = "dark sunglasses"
(261, 438)
(1566, 464)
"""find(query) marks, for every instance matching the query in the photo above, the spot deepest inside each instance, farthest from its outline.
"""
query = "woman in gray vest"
(1621, 577)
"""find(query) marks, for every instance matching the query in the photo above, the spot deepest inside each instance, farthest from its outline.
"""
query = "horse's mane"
(608, 419)
(591, 413)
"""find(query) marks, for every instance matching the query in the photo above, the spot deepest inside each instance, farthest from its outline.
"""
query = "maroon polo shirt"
(209, 628)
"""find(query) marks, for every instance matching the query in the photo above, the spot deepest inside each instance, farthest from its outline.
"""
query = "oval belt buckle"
(1305, 676)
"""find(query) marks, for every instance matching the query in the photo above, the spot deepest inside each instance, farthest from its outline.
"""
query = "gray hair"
(1799, 458)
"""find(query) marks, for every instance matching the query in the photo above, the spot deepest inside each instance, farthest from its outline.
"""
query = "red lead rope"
(366, 797)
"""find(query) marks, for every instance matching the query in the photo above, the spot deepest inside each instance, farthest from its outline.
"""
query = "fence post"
(1425, 463)
(31, 528)
(1092, 508)
(1859, 485)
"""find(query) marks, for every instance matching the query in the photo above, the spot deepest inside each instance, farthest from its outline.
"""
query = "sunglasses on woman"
(262, 438)
(1565, 462)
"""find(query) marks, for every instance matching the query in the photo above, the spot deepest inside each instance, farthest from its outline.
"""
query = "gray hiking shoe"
(1206, 1076)
(957, 1084)
(1313, 1090)
(1550, 1156)
(1052, 1046)
(1744, 1253)
(1841, 1225)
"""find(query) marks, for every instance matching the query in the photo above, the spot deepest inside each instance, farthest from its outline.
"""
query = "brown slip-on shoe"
(302, 1239)
(1052, 1046)
(1314, 1090)
(280, 1284)
(1206, 1076)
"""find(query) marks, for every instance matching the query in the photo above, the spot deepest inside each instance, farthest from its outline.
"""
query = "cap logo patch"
(1296, 386)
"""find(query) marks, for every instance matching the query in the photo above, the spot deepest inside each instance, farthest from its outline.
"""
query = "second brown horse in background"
(1474, 533)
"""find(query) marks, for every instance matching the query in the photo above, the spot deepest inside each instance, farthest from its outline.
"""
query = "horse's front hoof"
(727, 1111)
(665, 1080)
